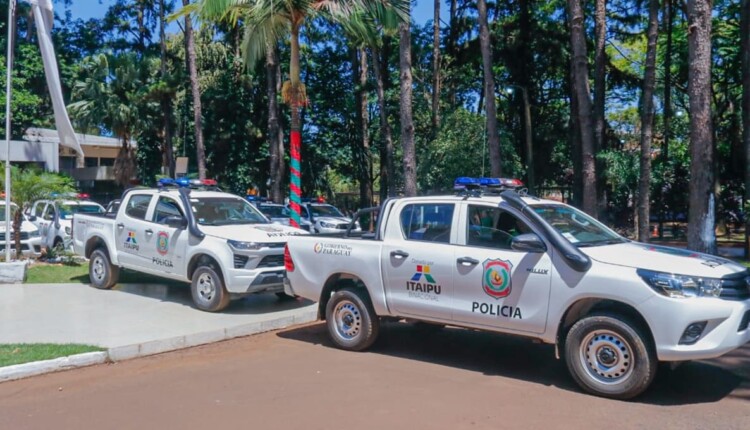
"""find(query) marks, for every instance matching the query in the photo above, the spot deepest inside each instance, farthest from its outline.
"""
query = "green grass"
(42, 273)
(18, 353)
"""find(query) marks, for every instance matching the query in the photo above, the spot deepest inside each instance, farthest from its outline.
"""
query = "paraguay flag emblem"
(496, 279)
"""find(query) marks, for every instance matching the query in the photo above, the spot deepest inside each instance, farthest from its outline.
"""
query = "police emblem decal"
(496, 280)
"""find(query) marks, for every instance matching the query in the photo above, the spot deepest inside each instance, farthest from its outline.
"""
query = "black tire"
(207, 288)
(609, 356)
(102, 273)
(351, 320)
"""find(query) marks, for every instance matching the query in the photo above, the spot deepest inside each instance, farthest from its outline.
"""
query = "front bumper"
(256, 281)
(727, 326)
(31, 247)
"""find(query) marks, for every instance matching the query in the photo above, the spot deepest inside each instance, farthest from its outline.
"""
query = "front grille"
(240, 261)
(736, 286)
(24, 235)
(272, 261)
(342, 226)
(745, 322)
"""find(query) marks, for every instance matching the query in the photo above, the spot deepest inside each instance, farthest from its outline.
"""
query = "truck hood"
(333, 219)
(261, 233)
(663, 259)
(26, 226)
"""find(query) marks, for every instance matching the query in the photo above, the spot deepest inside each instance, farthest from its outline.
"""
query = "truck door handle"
(399, 254)
(120, 225)
(467, 261)
(149, 232)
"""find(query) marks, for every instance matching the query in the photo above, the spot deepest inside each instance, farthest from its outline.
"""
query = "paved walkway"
(130, 319)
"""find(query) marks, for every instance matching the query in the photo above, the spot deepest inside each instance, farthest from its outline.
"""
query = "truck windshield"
(225, 211)
(325, 210)
(67, 210)
(275, 211)
(580, 229)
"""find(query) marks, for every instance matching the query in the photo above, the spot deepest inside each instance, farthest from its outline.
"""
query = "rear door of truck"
(131, 230)
(418, 260)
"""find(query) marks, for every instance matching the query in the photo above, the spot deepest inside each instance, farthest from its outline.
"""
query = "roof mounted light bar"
(479, 186)
(202, 184)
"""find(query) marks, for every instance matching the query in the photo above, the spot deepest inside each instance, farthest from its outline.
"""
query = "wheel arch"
(334, 283)
(96, 242)
(201, 259)
(591, 305)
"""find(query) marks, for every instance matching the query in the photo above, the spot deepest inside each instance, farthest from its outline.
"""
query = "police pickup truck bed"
(533, 268)
(216, 241)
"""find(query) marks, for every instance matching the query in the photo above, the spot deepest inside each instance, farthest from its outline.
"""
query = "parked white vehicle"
(219, 243)
(530, 267)
(54, 219)
(324, 218)
(31, 242)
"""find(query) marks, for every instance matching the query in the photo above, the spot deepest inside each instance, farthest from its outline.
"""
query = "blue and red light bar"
(186, 183)
(468, 183)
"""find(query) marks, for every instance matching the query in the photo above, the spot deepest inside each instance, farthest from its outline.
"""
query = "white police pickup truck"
(515, 264)
(216, 241)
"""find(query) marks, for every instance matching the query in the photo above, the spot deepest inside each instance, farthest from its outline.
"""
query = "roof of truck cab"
(487, 198)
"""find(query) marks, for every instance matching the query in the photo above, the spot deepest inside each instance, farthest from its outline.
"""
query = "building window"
(67, 164)
(91, 162)
(109, 162)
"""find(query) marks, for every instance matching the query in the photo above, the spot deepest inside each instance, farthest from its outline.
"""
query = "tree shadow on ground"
(521, 358)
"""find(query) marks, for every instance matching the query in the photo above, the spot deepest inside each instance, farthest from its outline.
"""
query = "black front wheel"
(610, 356)
(208, 290)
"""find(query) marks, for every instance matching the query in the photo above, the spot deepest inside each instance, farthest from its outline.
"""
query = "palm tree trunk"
(296, 99)
(702, 212)
(166, 102)
(436, 68)
(407, 120)
(451, 46)
(583, 98)
(745, 32)
(17, 222)
(600, 59)
(575, 142)
(668, 18)
(200, 150)
(647, 123)
(273, 124)
(493, 138)
(365, 184)
(387, 169)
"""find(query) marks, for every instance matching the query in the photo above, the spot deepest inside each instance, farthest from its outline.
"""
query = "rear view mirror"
(528, 242)
(175, 221)
(32, 218)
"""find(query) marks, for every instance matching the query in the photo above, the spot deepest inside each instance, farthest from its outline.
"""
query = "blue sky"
(86, 9)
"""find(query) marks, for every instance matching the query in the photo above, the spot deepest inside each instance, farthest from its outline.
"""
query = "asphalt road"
(411, 379)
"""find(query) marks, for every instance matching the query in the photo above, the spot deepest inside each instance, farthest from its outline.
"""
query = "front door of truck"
(494, 285)
(164, 245)
(417, 261)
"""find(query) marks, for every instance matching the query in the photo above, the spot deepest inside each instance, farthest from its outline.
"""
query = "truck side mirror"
(32, 218)
(528, 242)
(175, 221)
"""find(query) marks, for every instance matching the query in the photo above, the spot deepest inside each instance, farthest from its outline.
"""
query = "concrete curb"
(128, 352)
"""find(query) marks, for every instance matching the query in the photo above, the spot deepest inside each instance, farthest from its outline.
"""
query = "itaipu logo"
(162, 243)
(131, 243)
(423, 270)
(496, 281)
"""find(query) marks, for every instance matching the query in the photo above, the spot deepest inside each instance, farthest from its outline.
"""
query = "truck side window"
(429, 222)
(165, 207)
(49, 213)
(38, 209)
(137, 206)
(492, 227)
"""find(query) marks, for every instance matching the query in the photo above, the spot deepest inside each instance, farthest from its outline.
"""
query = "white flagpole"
(11, 7)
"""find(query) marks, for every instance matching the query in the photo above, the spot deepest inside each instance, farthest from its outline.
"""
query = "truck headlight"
(327, 224)
(243, 246)
(681, 286)
(67, 231)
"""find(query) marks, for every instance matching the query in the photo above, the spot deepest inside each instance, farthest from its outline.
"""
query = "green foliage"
(19, 353)
(29, 185)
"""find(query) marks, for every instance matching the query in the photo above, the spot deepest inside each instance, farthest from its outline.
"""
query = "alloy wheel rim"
(98, 268)
(206, 287)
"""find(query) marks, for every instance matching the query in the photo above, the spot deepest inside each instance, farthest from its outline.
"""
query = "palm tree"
(108, 97)
(200, 148)
(268, 21)
(493, 138)
(28, 186)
